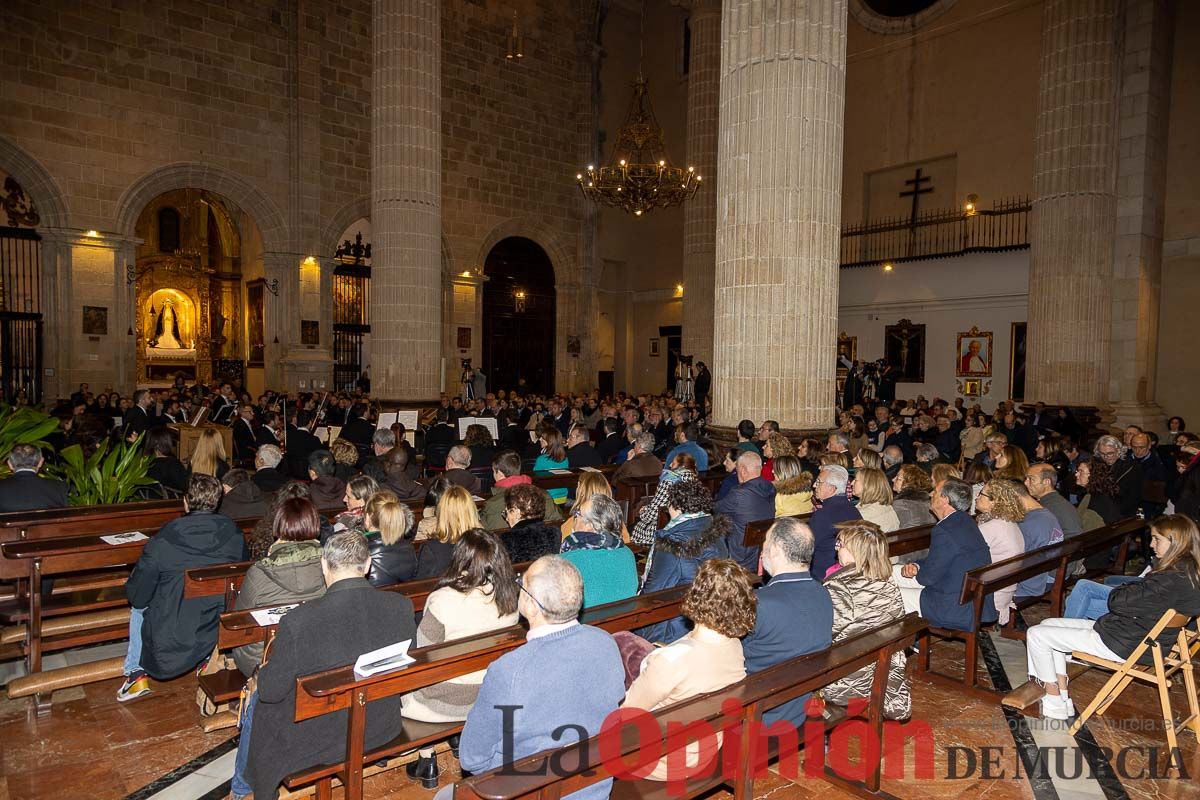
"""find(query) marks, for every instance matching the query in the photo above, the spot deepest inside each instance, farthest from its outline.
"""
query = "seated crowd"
(338, 526)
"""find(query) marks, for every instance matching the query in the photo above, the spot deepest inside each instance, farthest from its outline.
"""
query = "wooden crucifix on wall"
(915, 193)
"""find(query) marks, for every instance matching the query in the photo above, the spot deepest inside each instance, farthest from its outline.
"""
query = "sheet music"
(487, 422)
(386, 418)
(409, 419)
(124, 538)
(322, 434)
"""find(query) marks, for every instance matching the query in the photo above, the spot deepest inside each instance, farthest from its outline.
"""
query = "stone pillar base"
(1147, 416)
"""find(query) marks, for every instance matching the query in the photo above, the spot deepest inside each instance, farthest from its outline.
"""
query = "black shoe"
(425, 770)
(453, 742)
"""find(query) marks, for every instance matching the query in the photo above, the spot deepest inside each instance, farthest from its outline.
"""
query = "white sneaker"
(1057, 707)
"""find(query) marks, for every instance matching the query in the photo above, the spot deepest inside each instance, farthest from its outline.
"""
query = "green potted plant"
(113, 474)
(22, 425)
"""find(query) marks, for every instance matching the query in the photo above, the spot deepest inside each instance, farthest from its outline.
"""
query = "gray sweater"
(547, 698)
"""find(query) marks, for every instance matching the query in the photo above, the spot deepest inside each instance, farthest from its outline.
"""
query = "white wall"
(949, 296)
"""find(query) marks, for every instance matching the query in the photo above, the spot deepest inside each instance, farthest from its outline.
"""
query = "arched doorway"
(518, 316)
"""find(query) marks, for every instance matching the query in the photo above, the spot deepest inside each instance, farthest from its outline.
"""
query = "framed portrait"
(847, 350)
(310, 331)
(95, 321)
(573, 346)
(1016, 364)
(904, 349)
(254, 321)
(654, 351)
(973, 354)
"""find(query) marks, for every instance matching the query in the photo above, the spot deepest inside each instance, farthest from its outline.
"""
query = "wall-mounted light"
(272, 286)
(516, 42)
(93, 234)
(519, 301)
(887, 266)
(971, 206)
(679, 290)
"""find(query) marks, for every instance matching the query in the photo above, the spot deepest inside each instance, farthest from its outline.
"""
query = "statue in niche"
(166, 329)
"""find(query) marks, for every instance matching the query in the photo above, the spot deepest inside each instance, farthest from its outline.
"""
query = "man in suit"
(752, 499)
(223, 405)
(244, 438)
(439, 439)
(268, 431)
(137, 418)
(580, 452)
(830, 489)
(932, 586)
(642, 463)
(25, 490)
(792, 594)
(358, 429)
(352, 618)
(267, 476)
(612, 442)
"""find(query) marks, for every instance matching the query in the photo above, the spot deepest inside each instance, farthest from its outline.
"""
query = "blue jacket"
(955, 547)
(678, 552)
(795, 617)
(541, 679)
(832, 511)
(746, 502)
(692, 449)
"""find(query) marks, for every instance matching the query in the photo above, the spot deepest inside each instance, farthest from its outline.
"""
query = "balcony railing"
(938, 234)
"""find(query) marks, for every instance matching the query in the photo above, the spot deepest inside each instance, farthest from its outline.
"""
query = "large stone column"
(700, 213)
(406, 203)
(1074, 205)
(779, 182)
(1141, 190)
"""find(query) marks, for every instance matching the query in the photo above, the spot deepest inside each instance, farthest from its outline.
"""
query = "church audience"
(1001, 520)
(596, 548)
(1041, 481)
(752, 499)
(793, 486)
(352, 618)
(25, 489)
(345, 459)
(580, 452)
(1098, 504)
(1126, 472)
(721, 605)
(458, 469)
(864, 596)
(209, 456)
(167, 634)
(290, 572)
(686, 437)
(681, 468)
(830, 489)
(553, 455)
(427, 524)
(506, 470)
(358, 491)
(266, 468)
(791, 594)
(328, 491)
(547, 701)
(165, 467)
(477, 593)
(774, 446)
(242, 499)
(641, 463)
(479, 441)
(931, 586)
(530, 537)
(1133, 609)
(874, 495)
(591, 483)
(456, 514)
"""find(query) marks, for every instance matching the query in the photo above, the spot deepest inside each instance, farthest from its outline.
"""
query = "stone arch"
(215, 179)
(38, 184)
(875, 22)
(354, 210)
(542, 235)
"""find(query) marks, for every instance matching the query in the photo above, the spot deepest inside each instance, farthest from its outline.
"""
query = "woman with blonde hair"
(1011, 463)
(866, 458)
(209, 456)
(941, 472)
(387, 522)
(999, 516)
(590, 483)
(874, 495)
(776, 446)
(793, 487)
(911, 488)
(864, 596)
(456, 514)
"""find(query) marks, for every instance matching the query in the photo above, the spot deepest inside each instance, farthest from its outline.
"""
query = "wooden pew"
(632, 490)
(87, 520)
(558, 773)
(549, 480)
(985, 580)
(338, 690)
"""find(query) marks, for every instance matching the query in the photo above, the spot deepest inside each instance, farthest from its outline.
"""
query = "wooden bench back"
(582, 764)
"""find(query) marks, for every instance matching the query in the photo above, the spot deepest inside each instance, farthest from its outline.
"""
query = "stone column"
(406, 203)
(1074, 205)
(779, 182)
(700, 213)
(1141, 189)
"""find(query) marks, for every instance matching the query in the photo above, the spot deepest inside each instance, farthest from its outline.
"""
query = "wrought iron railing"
(937, 234)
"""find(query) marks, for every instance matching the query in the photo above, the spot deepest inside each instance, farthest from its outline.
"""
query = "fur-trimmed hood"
(690, 538)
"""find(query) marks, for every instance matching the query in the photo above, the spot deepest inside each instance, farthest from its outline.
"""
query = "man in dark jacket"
(351, 619)
(752, 499)
(580, 452)
(830, 489)
(244, 438)
(326, 489)
(167, 634)
(791, 595)
(243, 498)
(703, 384)
(25, 490)
(932, 586)
(266, 473)
(612, 443)
(1127, 472)
(439, 439)
(300, 445)
(359, 429)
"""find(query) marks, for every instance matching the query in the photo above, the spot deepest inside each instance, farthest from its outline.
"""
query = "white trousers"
(1048, 644)
(910, 590)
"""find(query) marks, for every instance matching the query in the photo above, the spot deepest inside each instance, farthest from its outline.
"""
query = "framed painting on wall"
(973, 354)
(254, 322)
(904, 349)
(654, 352)
(95, 321)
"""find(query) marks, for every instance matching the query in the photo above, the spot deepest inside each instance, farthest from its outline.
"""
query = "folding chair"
(1179, 659)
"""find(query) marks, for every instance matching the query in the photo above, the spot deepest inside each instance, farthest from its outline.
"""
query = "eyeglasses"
(985, 495)
(521, 586)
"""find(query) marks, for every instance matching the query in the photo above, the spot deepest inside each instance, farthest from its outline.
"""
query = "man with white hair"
(893, 459)
(1126, 471)
(838, 442)
(642, 463)
(524, 707)
(752, 499)
(458, 462)
(830, 489)
(266, 475)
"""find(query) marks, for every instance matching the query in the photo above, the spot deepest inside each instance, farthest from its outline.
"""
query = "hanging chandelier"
(639, 177)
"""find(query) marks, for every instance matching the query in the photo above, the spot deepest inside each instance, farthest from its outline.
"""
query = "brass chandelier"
(639, 177)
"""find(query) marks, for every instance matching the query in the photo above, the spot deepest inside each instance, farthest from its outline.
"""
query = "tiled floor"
(92, 747)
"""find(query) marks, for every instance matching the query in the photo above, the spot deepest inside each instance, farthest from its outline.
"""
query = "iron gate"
(20, 314)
